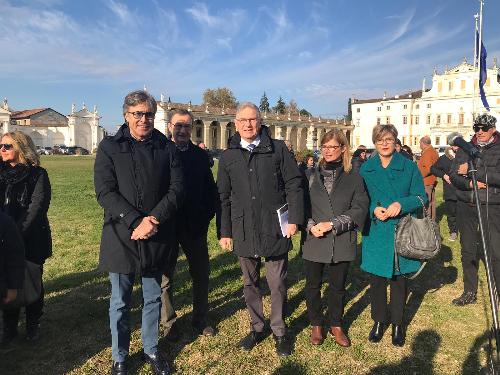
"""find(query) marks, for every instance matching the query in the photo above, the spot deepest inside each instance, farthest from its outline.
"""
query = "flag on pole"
(481, 50)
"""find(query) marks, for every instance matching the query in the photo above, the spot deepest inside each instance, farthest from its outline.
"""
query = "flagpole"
(475, 69)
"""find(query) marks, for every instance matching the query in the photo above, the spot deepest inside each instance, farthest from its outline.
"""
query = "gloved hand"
(342, 224)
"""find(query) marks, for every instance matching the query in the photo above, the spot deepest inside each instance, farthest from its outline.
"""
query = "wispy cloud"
(120, 10)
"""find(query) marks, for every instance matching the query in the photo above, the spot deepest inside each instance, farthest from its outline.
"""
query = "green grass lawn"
(75, 338)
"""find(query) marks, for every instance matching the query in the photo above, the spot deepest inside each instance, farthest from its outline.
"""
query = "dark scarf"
(10, 177)
(330, 172)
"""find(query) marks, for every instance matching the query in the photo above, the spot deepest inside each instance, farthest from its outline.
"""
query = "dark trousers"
(451, 212)
(337, 275)
(276, 272)
(33, 311)
(378, 295)
(431, 206)
(470, 241)
(196, 251)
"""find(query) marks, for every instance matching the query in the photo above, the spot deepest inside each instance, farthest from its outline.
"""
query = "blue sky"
(320, 53)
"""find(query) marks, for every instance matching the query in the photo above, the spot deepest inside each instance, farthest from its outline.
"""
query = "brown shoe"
(317, 335)
(340, 336)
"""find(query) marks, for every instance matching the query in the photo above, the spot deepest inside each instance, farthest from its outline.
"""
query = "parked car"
(60, 149)
(48, 150)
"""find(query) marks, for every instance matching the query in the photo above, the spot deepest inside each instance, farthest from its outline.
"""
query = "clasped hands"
(320, 229)
(383, 213)
(146, 229)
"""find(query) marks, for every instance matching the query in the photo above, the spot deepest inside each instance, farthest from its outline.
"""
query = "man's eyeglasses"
(484, 128)
(325, 148)
(6, 146)
(245, 120)
(388, 141)
(138, 115)
(182, 125)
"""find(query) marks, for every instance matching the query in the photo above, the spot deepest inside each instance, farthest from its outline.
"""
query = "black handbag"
(32, 287)
(417, 239)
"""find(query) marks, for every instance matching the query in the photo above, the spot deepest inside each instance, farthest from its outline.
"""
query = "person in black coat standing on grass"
(138, 181)
(257, 175)
(25, 196)
(191, 223)
(336, 204)
(442, 169)
(487, 139)
(11, 260)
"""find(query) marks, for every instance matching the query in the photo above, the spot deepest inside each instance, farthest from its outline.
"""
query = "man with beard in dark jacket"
(191, 225)
(257, 175)
(139, 182)
(487, 140)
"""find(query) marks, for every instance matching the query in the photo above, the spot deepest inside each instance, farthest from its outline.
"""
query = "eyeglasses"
(6, 146)
(138, 115)
(484, 128)
(388, 141)
(326, 148)
(245, 120)
(182, 125)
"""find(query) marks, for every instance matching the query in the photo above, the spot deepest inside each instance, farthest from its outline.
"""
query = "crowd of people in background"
(159, 196)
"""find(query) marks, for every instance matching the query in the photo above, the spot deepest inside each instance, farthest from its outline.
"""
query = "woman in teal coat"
(394, 185)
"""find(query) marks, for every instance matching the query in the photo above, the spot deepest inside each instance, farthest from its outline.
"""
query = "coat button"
(122, 215)
(253, 197)
(251, 170)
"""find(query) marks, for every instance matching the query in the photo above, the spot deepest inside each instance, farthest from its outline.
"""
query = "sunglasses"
(484, 128)
(6, 146)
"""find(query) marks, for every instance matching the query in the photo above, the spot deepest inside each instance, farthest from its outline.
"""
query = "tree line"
(223, 97)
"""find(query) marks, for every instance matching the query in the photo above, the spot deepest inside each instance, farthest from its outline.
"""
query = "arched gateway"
(214, 126)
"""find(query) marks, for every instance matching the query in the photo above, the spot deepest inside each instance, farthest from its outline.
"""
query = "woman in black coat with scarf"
(25, 197)
(336, 205)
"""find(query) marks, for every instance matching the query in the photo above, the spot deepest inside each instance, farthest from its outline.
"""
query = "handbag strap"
(396, 267)
(423, 205)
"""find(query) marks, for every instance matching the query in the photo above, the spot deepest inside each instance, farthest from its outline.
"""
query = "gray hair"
(180, 112)
(426, 140)
(244, 105)
(137, 97)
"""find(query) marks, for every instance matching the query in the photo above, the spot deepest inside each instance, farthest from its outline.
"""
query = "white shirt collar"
(244, 144)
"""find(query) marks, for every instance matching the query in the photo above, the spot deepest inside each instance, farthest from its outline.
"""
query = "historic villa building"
(445, 108)
(214, 126)
(48, 127)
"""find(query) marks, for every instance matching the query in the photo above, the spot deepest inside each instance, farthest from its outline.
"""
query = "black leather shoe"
(119, 368)
(158, 364)
(173, 334)
(377, 332)
(8, 335)
(398, 335)
(33, 333)
(465, 299)
(283, 345)
(250, 340)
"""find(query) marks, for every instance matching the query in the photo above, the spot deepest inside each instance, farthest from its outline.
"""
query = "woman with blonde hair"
(25, 196)
(336, 205)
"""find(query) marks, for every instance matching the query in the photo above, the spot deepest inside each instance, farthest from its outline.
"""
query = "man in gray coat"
(257, 175)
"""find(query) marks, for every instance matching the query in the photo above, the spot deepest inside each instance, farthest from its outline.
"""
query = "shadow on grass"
(290, 368)
(420, 361)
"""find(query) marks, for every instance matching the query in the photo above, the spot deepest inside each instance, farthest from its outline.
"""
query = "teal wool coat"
(401, 182)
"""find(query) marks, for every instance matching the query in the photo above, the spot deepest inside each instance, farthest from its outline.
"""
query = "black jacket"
(251, 188)
(11, 256)
(25, 196)
(127, 197)
(348, 197)
(488, 171)
(439, 169)
(201, 193)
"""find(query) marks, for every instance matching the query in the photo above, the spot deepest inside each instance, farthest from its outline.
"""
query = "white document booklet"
(283, 218)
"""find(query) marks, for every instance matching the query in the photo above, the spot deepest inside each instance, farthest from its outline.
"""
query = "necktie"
(250, 147)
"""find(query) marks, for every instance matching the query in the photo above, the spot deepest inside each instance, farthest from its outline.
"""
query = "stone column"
(299, 137)
(288, 130)
(319, 135)
(206, 135)
(310, 135)
(223, 138)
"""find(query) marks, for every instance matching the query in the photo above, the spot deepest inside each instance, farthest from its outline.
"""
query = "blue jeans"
(119, 308)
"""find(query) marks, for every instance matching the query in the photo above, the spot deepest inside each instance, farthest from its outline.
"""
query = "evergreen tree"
(349, 110)
(280, 106)
(304, 112)
(264, 103)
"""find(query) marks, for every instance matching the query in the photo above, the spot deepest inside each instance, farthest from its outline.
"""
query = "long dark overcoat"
(117, 191)
(348, 197)
(26, 200)
(252, 186)
(401, 182)
(11, 256)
